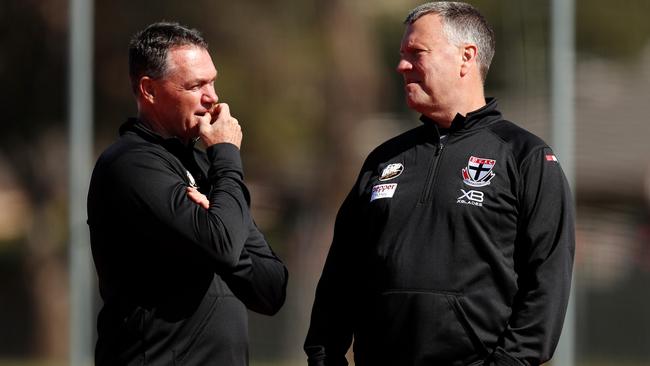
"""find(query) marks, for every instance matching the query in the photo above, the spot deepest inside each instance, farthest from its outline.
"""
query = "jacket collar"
(475, 119)
(173, 144)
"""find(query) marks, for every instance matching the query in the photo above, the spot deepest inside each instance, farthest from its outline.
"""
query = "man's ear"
(469, 54)
(147, 88)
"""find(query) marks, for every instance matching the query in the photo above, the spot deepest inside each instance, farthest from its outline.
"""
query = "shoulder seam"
(541, 145)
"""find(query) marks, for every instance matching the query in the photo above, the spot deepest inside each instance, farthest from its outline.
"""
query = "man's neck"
(153, 124)
(464, 107)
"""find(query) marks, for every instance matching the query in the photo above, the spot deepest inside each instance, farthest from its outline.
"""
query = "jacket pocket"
(220, 339)
(455, 304)
(501, 358)
(122, 335)
(193, 330)
(418, 327)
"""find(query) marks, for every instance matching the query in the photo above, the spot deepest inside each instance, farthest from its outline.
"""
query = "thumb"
(222, 110)
(205, 121)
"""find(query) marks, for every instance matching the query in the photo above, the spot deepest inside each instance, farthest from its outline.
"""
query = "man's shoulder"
(521, 141)
(399, 144)
(129, 147)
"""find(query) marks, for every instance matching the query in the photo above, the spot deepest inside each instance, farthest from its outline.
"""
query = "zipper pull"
(439, 148)
(441, 138)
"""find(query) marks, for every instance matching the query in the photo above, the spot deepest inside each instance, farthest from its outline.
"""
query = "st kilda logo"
(478, 171)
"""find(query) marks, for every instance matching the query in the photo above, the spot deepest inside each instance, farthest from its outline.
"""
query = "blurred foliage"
(15, 299)
(616, 30)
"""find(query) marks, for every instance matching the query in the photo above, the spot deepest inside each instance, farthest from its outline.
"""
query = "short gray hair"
(462, 23)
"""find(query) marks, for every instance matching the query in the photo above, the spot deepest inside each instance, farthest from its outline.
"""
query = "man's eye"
(413, 53)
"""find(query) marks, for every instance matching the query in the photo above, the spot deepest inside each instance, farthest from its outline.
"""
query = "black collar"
(482, 116)
(173, 144)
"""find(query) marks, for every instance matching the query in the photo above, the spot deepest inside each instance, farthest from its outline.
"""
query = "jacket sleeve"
(260, 278)
(330, 330)
(543, 260)
(152, 186)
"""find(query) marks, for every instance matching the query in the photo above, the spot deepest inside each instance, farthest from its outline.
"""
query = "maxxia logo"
(471, 197)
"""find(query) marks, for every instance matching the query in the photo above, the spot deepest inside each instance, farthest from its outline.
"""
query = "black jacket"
(175, 278)
(449, 251)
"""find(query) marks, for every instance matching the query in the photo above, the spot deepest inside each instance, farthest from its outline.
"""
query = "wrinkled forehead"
(190, 60)
(187, 55)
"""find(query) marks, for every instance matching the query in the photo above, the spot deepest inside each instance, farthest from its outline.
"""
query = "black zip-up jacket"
(175, 278)
(449, 251)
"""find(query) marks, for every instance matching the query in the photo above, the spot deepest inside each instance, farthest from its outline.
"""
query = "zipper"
(433, 173)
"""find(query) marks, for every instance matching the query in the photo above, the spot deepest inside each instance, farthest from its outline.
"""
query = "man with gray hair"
(178, 255)
(455, 246)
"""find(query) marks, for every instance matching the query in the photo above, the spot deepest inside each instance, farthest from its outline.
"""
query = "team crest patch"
(478, 172)
(383, 191)
(391, 171)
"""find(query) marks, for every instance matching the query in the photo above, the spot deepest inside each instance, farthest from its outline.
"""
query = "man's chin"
(415, 104)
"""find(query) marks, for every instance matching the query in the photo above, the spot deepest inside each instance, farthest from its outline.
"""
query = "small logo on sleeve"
(551, 157)
(383, 191)
(191, 179)
(391, 171)
(478, 172)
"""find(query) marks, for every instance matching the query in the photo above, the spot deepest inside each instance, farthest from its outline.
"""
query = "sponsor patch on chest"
(383, 191)
(391, 171)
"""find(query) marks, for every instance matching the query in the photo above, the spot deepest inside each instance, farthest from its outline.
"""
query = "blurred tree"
(615, 30)
(32, 67)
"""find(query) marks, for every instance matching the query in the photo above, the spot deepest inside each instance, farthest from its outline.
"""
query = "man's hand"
(198, 197)
(220, 127)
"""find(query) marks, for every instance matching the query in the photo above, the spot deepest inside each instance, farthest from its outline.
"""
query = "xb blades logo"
(476, 196)
(478, 172)
(471, 197)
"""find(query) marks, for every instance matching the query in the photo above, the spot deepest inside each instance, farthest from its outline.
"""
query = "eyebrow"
(202, 80)
(413, 47)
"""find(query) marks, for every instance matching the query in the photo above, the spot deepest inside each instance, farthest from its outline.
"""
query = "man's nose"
(403, 66)
(210, 95)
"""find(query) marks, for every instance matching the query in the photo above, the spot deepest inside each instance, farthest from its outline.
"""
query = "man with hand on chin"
(178, 255)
